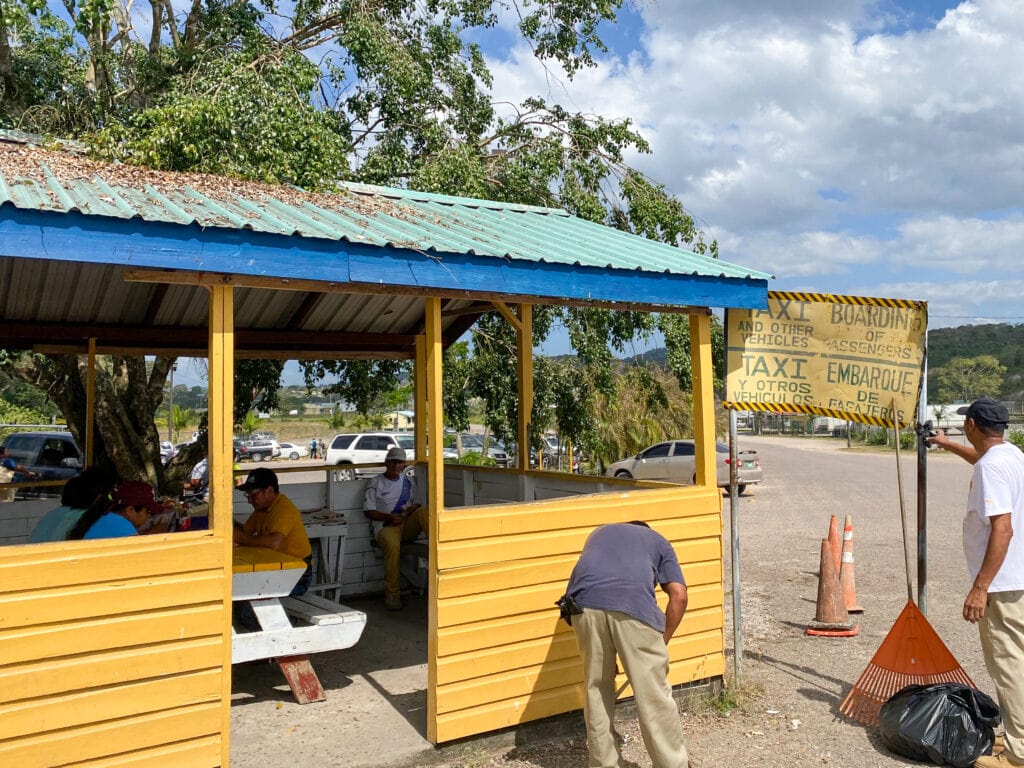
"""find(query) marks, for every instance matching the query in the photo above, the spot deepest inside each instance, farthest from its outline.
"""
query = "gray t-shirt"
(619, 568)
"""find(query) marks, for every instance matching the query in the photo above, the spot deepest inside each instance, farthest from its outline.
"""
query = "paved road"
(783, 521)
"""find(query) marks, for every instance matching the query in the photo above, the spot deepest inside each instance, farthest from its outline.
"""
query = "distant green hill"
(1003, 340)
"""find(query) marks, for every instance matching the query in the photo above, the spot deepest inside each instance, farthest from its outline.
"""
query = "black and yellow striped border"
(814, 410)
(833, 298)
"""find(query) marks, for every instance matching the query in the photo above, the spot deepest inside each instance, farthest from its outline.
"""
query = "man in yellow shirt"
(275, 522)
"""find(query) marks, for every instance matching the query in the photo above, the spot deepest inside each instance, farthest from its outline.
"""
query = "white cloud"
(840, 147)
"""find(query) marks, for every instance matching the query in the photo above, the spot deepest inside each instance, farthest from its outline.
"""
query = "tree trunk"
(128, 395)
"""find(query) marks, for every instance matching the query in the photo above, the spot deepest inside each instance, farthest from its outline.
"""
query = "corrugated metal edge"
(407, 219)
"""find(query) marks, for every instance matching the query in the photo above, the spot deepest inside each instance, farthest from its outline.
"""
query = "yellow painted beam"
(221, 399)
(110, 598)
(61, 565)
(703, 400)
(510, 316)
(93, 635)
(53, 676)
(149, 731)
(433, 354)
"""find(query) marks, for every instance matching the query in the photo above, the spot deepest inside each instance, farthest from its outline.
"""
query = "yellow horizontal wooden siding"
(503, 656)
(112, 652)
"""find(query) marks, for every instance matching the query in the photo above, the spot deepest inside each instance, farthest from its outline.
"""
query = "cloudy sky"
(844, 146)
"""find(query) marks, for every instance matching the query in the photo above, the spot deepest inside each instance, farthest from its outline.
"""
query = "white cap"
(395, 454)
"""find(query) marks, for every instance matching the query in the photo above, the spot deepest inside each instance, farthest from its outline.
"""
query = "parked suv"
(52, 455)
(258, 450)
(367, 448)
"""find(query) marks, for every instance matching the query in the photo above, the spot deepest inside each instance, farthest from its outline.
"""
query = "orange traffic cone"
(830, 618)
(834, 542)
(846, 581)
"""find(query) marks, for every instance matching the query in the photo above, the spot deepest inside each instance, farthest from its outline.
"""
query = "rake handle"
(903, 507)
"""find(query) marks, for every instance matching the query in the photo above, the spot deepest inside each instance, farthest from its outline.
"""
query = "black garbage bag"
(943, 723)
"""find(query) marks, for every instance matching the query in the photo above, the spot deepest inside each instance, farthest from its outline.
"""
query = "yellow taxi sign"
(850, 357)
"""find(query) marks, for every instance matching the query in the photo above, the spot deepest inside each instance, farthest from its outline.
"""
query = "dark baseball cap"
(135, 493)
(986, 412)
(259, 478)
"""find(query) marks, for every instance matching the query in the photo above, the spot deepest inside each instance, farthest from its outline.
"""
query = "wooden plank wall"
(503, 656)
(110, 652)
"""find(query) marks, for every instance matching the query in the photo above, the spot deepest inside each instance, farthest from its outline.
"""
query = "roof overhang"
(157, 263)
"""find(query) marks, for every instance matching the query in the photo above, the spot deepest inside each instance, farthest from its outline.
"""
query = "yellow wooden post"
(419, 378)
(220, 454)
(435, 496)
(703, 399)
(90, 404)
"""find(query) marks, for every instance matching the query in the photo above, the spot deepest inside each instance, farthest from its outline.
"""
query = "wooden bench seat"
(324, 626)
(320, 611)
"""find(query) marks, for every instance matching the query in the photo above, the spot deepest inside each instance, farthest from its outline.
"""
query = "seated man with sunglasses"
(275, 522)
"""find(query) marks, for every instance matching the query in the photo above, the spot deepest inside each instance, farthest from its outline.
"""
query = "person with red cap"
(132, 502)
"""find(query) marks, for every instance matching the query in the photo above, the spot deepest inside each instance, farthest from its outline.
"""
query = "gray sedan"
(674, 461)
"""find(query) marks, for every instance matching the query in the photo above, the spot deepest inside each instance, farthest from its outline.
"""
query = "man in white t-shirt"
(395, 516)
(995, 561)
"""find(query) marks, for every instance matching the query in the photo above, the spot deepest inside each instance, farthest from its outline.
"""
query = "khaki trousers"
(601, 635)
(1002, 640)
(390, 538)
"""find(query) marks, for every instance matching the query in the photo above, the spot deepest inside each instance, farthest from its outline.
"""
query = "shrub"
(877, 436)
(1016, 437)
(908, 441)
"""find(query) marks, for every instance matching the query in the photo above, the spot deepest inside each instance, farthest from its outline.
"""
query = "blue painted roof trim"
(135, 243)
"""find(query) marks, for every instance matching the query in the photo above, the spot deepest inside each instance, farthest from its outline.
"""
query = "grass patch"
(732, 696)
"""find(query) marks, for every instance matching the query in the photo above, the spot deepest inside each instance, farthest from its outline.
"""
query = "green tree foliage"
(384, 91)
(181, 418)
(645, 406)
(17, 414)
(676, 329)
(249, 423)
(964, 379)
(1001, 340)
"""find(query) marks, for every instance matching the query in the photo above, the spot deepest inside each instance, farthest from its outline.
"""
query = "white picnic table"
(264, 578)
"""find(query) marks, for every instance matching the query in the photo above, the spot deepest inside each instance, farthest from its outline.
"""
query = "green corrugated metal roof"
(36, 179)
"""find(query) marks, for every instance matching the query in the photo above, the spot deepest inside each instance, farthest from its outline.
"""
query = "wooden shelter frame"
(83, 624)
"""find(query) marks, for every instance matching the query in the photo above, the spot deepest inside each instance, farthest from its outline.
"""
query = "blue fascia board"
(157, 245)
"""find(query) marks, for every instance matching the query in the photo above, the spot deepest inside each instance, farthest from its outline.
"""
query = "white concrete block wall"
(18, 518)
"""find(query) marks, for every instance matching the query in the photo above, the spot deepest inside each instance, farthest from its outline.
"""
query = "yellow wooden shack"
(118, 652)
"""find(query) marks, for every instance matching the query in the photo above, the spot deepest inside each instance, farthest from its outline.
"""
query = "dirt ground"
(784, 710)
(787, 709)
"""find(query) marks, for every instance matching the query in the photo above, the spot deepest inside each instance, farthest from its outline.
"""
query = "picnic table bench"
(264, 578)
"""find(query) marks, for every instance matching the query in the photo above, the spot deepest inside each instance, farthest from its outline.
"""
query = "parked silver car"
(675, 461)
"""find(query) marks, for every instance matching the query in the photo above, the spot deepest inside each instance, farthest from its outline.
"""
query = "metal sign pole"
(734, 520)
(922, 491)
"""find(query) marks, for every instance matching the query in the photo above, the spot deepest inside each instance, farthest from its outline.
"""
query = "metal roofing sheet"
(36, 179)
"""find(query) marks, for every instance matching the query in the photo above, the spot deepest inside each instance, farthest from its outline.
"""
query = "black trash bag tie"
(942, 723)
